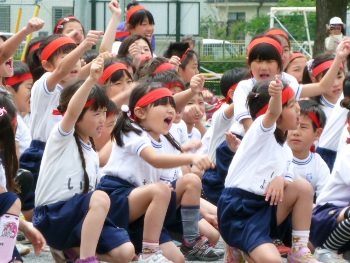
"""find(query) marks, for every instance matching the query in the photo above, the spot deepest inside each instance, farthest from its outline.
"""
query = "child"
(331, 213)
(60, 57)
(76, 210)
(247, 208)
(296, 66)
(72, 27)
(306, 163)
(143, 142)
(10, 205)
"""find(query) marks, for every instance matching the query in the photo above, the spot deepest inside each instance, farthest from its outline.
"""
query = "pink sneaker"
(233, 255)
(302, 255)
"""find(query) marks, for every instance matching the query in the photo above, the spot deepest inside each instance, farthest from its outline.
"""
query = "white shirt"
(258, 160)
(179, 132)
(337, 188)
(42, 103)
(194, 135)
(22, 135)
(327, 107)
(61, 173)
(343, 137)
(126, 163)
(314, 170)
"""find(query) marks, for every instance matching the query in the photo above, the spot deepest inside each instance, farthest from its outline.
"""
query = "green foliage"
(298, 3)
(211, 28)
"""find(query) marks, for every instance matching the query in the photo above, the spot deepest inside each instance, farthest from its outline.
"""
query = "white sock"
(299, 239)
(8, 234)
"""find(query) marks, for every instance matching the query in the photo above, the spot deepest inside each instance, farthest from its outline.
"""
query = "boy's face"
(301, 139)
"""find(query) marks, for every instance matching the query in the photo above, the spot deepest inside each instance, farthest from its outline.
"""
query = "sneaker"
(328, 256)
(201, 251)
(302, 255)
(156, 257)
(233, 255)
(282, 249)
(22, 249)
(219, 251)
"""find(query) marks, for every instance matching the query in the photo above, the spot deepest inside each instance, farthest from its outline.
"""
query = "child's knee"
(303, 188)
(191, 180)
(161, 190)
(100, 199)
(15, 209)
(266, 257)
(123, 253)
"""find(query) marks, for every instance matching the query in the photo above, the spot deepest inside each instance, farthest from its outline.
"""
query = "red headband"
(87, 104)
(287, 94)
(152, 96)
(107, 73)
(34, 47)
(15, 79)
(64, 19)
(183, 57)
(265, 40)
(54, 45)
(132, 11)
(111, 113)
(276, 31)
(322, 67)
(297, 55)
(314, 118)
(170, 85)
(164, 67)
(233, 88)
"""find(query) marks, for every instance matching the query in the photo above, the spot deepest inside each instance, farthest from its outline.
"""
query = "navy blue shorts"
(246, 220)
(31, 160)
(328, 156)
(61, 224)
(324, 221)
(118, 191)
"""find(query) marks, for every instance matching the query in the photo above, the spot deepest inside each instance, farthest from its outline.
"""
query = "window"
(235, 17)
(59, 12)
(5, 25)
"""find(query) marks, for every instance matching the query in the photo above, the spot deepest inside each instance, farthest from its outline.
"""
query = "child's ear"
(230, 94)
(318, 133)
(47, 66)
(140, 113)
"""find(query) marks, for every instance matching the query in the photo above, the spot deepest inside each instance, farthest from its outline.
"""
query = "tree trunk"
(325, 10)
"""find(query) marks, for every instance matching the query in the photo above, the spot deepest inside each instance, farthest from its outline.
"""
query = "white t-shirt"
(61, 173)
(327, 107)
(313, 169)
(194, 135)
(343, 137)
(334, 126)
(179, 132)
(2, 175)
(22, 135)
(336, 190)
(126, 163)
(259, 159)
(42, 103)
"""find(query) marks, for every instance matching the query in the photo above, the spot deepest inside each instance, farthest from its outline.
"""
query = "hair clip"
(309, 64)
(125, 108)
(256, 95)
(2, 111)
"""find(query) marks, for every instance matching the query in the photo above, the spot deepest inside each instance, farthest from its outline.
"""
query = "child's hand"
(34, 236)
(175, 60)
(275, 88)
(343, 49)
(135, 51)
(34, 24)
(96, 69)
(274, 191)
(191, 145)
(76, 36)
(91, 38)
(197, 83)
(202, 162)
(193, 111)
(232, 141)
(115, 8)
(107, 55)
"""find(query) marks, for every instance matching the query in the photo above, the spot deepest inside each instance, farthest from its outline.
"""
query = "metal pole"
(178, 20)
(19, 16)
(307, 32)
(29, 38)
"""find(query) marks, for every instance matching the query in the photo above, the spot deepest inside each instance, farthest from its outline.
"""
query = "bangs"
(265, 52)
(139, 16)
(119, 74)
(100, 96)
(164, 101)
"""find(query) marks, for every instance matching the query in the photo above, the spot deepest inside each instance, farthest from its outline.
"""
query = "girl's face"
(301, 139)
(158, 119)
(70, 77)
(264, 70)
(194, 110)
(144, 47)
(175, 90)
(190, 70)
(22, 96)
(117, 87)
(108, 126)
(296, 68)
(290, 117)
(286, 55)
(71, 26)
(91, 125)
(335, 92)
(145, 29)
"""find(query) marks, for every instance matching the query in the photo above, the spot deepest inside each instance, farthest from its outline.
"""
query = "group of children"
(123, 166)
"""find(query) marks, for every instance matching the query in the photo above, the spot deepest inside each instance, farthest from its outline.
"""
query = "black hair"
(179, 49)
(19, 68)
(345, 102)
(149, 68)
(33, 59)
(267, 33)
(167, 78)
(58, 28)
(90, 55)
(138, 17)
(306, 76)
(111, 108)
(257, 99)
(65, 49)
(321, 58)
(101, 101)
(125, 124)
(307, 106)
(265, 51)
(8, 155)
(231, 77)
(118, 74)
(124, 46)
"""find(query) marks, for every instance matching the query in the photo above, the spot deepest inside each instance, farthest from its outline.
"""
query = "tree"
(325, 10)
